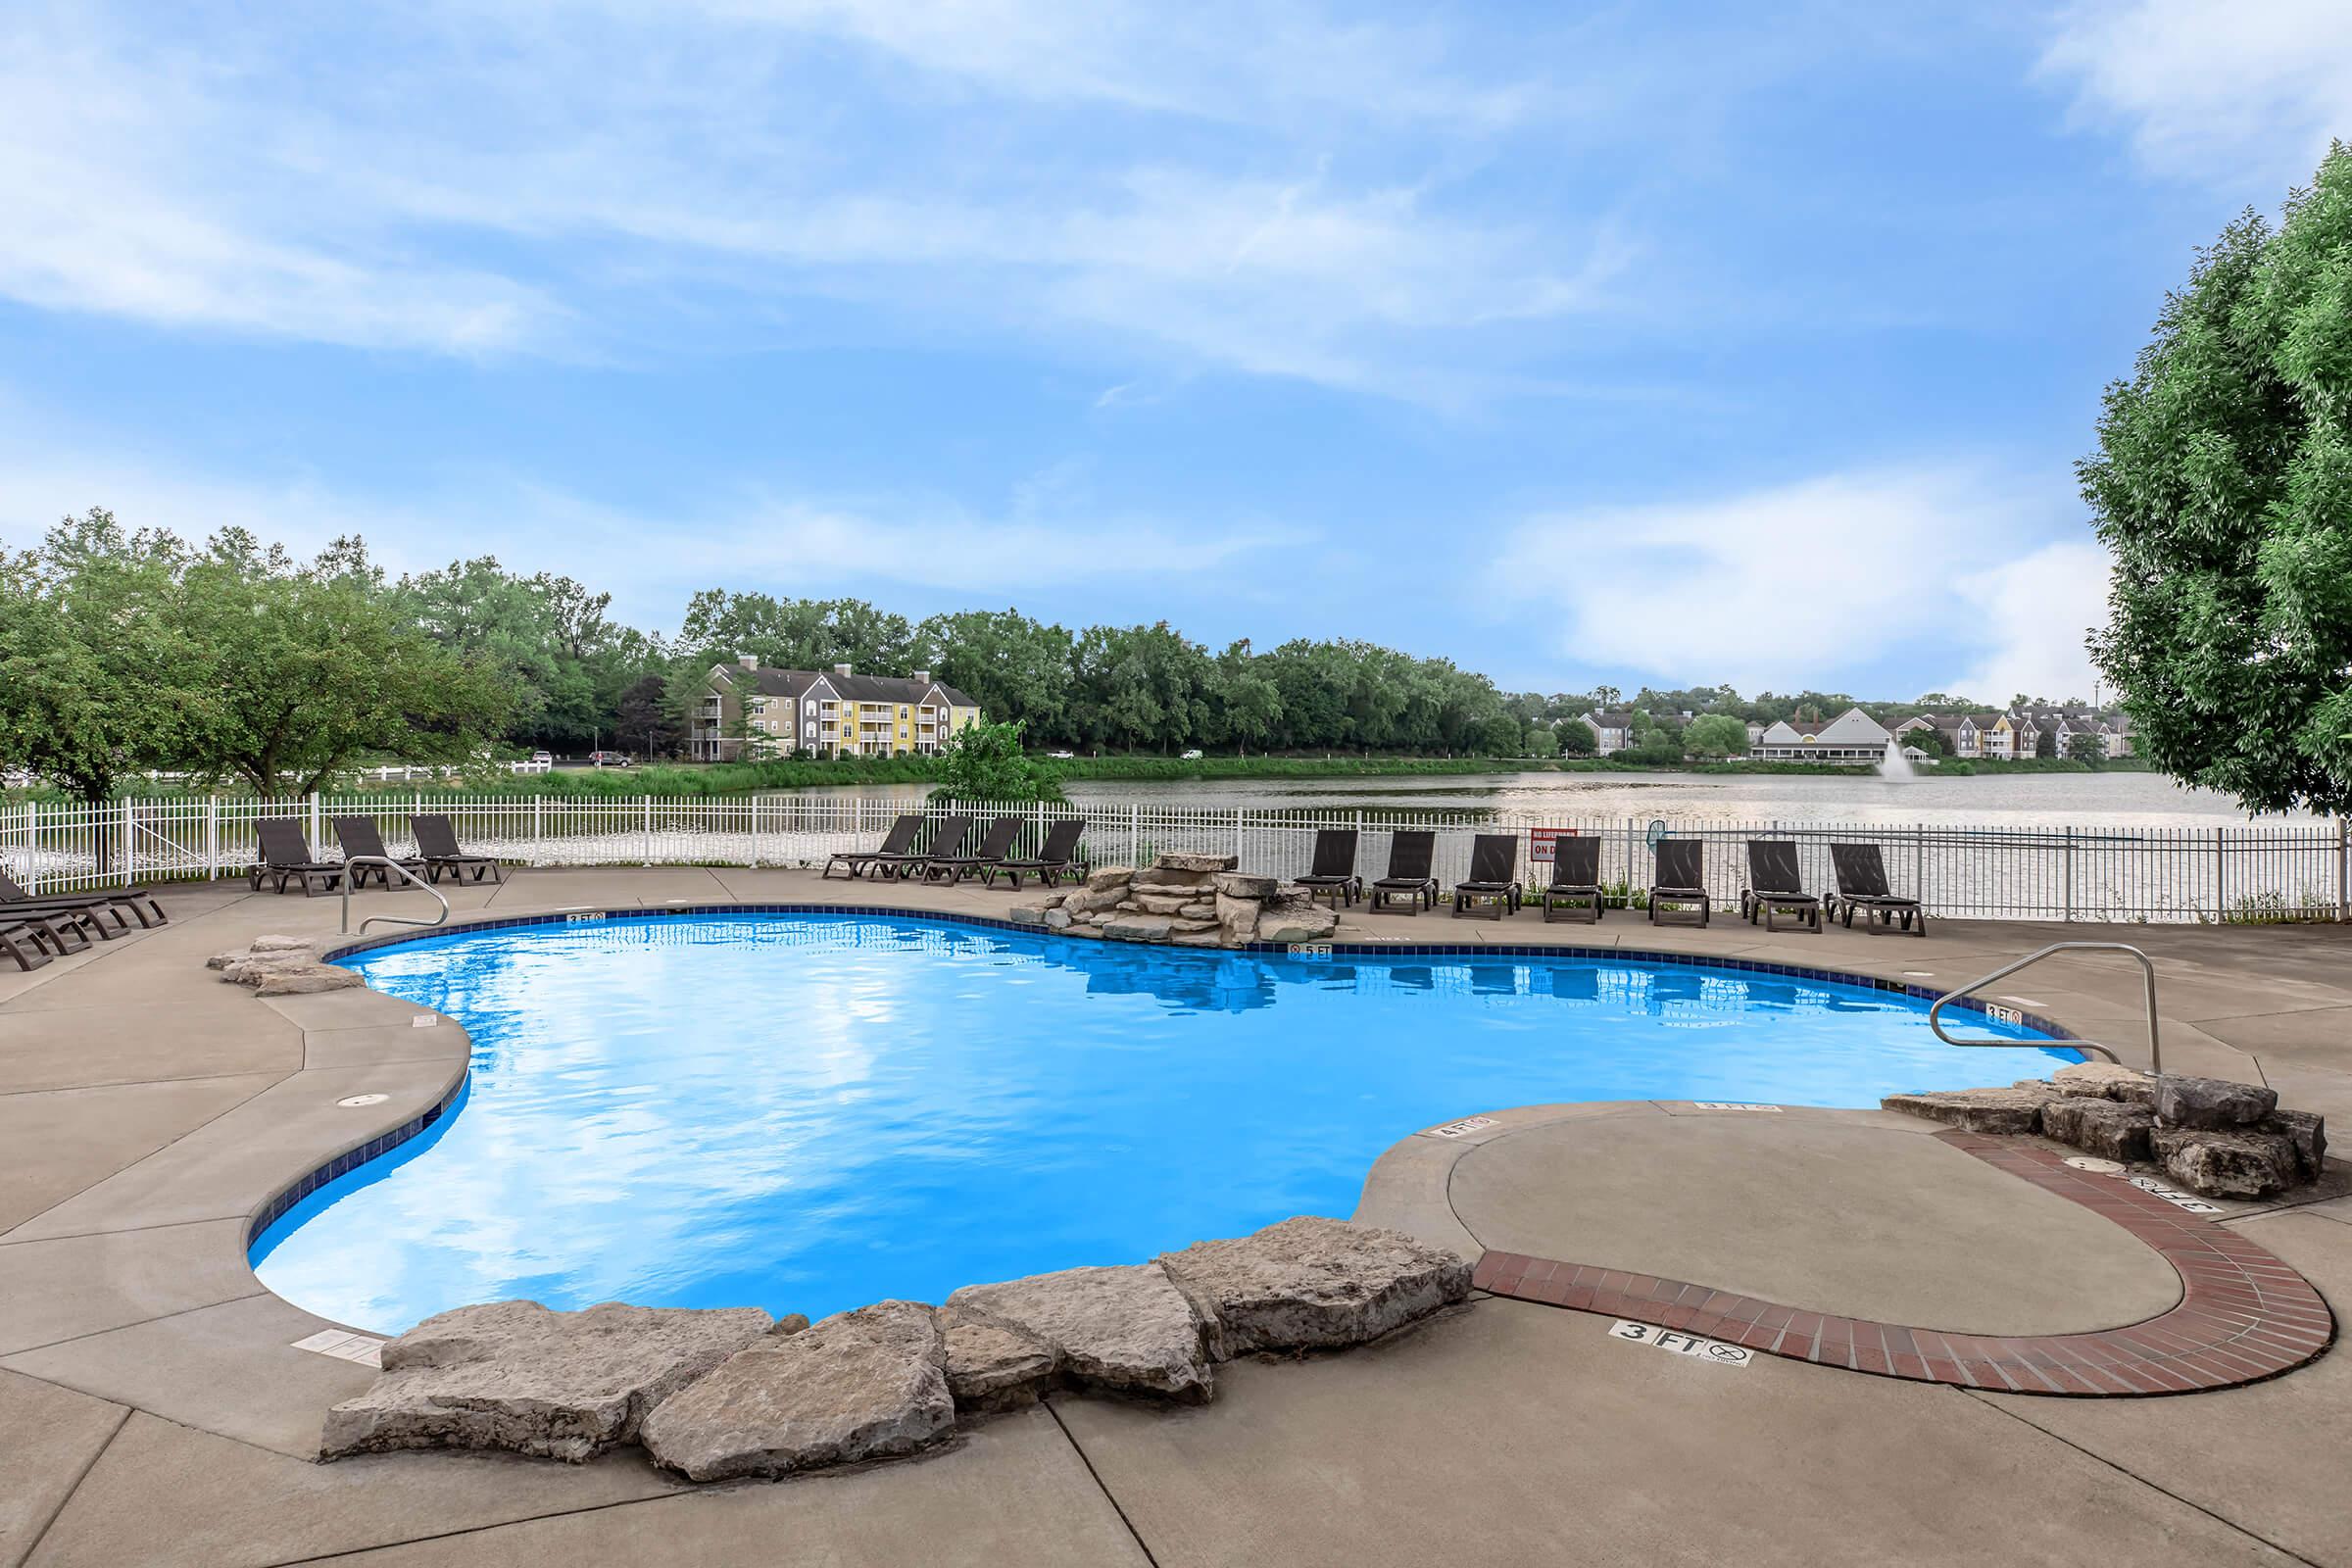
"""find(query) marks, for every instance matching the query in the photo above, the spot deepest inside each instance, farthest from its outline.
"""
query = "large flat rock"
(514, 1375)
(1127, 1328)
(861, 1384)
(1312, 1283)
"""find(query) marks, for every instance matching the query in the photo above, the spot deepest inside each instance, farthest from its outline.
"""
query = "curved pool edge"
(384, 1141)
(2243, 1314)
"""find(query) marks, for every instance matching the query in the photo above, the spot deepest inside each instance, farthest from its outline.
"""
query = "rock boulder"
(514, 1375)
(1126, 1327)
(1190, 861)
(1289, 923)
(858, 1384)
(2107, 1128)
(1245, 885)
(2104, 1080)
(1978, 1111)
(1139, 927)
(2212, 1102)
(1312, 1283)
(2224, 1164)
(304, 979)
(1108, 876)
(992, 1368)
(2306, 1134)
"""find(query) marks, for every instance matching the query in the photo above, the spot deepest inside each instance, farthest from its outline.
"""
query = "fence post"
(755, 831)
(1919, 862)
(33, 848)
(538, 830)
(2221, 890)
(649, 830)
(212, 836)
(1236, 835)
(2343, 870)
(2070, 875)
(1135, 833)
(313, 821)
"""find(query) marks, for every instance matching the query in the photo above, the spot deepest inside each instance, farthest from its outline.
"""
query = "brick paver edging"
(2244, 1315)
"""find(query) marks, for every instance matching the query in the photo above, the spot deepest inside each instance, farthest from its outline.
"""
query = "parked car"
(543, 759)
(609, 758)
(1193, 756)
(1062, 757)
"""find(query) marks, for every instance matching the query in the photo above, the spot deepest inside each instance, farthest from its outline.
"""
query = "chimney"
(841, 669)
(922, 677)
(748, 661)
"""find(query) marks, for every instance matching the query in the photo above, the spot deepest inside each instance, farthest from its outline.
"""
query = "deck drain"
(2100, 1167)
(354, 1101)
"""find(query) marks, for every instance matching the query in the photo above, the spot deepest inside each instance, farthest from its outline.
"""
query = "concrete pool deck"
(153, 1409)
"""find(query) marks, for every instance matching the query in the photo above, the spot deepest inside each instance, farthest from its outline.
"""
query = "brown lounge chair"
(437, 846)
(1775, 885)
(27, 942)
(1862, 887)
(1059, 857)
(1494, 875)
(1412, 851)
(995, 844)
(946, 843)
(855, 863)
(1681, 880)
(1574, 891)
(286, 856)
(1334, 873)
(358, 837)
(124, 905)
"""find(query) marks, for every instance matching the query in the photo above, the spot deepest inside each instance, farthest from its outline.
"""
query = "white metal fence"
(2292, 871)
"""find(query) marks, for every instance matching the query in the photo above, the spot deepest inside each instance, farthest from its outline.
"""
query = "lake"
(2014, 800)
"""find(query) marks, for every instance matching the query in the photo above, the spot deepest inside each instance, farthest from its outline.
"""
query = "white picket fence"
(2294, 872)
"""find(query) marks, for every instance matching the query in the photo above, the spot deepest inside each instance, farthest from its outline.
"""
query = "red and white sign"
(1542, 839)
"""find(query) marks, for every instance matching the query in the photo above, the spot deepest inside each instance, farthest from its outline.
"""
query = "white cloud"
(599, 176)
(2037, 613)
(1783, 587)
(2207, 87)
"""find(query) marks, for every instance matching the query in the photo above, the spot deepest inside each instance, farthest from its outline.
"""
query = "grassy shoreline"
(742, 778)
(721, 779)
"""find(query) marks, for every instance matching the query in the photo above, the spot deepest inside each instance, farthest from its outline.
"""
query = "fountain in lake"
(1894, 767)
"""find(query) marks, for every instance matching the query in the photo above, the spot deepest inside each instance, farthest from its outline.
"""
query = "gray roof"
(1617, 720)
(795, 683)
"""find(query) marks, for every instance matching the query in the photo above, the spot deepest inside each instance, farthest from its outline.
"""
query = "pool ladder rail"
(2147, 969)
(391, 866)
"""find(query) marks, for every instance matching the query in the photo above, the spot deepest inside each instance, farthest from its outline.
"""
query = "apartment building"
(749, 709)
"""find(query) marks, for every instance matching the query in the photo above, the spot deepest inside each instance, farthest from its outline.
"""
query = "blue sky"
(1644, 343)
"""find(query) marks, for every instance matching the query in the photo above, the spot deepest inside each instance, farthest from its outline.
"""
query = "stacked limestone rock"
(1193, 900)
(284, 966)
(2214, 1137)
(720, 1393)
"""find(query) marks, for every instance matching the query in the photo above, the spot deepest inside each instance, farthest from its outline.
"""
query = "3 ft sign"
(1681, 1344)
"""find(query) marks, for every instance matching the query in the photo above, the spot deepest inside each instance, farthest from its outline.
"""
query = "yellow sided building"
(750, 710)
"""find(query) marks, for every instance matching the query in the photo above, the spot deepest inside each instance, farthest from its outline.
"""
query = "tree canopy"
(2223, 484)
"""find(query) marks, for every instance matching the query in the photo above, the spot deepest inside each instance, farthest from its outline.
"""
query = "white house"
(1852, 737)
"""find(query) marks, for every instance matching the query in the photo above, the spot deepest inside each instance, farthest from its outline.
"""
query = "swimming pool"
(807, 1113)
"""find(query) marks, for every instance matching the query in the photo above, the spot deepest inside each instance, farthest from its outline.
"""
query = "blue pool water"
(810, 1112)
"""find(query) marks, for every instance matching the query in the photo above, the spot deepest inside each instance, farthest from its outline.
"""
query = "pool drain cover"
(2102, 1167)
(354, 1101)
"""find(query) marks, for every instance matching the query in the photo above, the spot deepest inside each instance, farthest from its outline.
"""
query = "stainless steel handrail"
(2147, 968)
(407, 875)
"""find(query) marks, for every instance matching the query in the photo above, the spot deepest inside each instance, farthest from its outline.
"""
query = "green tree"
(1246, 702)
(1577, 738)
(1014, 667)
(1715, 735)
(2085, 747)
(287, 676)
(89, 658)
(646, 723)
(2222, 485)
(1497, 736)
(985, 762)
